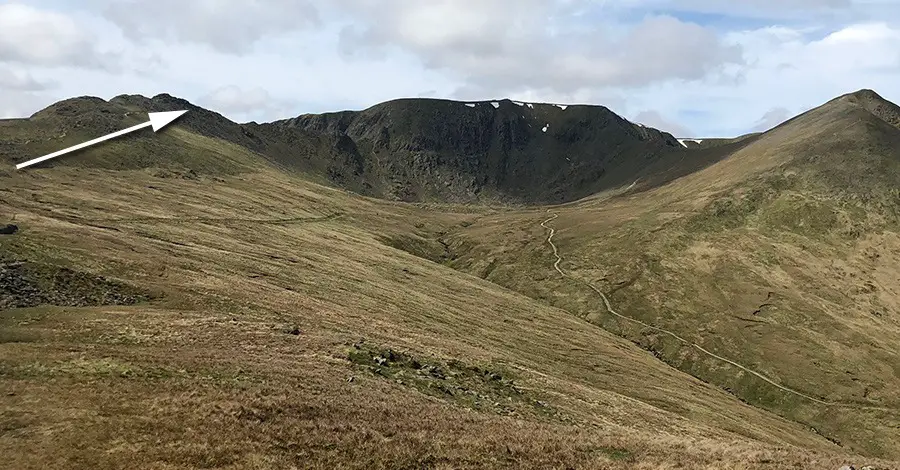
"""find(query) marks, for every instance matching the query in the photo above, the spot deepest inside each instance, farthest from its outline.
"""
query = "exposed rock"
(415, 149)
(25, 284)
(8, 229)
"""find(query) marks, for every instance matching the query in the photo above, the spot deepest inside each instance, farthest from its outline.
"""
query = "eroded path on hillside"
(609, 308)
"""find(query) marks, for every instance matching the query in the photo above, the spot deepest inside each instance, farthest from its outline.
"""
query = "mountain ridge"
(433, 150)
(517, 150)
(777, 251)
(417, 149)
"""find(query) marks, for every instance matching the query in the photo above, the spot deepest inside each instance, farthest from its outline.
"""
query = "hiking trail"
(609, 308)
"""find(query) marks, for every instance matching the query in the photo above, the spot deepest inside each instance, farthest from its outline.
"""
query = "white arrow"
(157, 121)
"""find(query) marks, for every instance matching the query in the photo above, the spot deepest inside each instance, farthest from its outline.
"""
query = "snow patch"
(684, 142)
(530, 105)
(562, 106)
(518, 103)
(471, 105)
(547, 126)
(495, 104)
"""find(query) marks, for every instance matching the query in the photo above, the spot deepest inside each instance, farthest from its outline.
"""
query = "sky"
(695, 68)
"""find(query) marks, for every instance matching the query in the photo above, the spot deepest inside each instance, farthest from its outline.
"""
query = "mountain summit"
(429, 149)
(412, 149)
(875, 104)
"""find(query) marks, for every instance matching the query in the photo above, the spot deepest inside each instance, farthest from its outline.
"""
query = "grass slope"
(250, 356)
(284, 323)
(782, 257)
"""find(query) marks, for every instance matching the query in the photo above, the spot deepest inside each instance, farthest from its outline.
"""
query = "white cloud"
(503, 46)
(18, 80)
(787, 68)
(656, 120)
(772, 118)
(230, 26)
(245, 104)
(17, 104)
(34, 36)
(699, 65)
(755, 8)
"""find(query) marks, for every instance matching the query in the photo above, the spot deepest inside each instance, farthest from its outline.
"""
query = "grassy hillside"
(269, 344)
(228, 312)
(77, 120)
(781, 257)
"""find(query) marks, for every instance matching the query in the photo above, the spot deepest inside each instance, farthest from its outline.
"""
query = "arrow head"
(163, 119)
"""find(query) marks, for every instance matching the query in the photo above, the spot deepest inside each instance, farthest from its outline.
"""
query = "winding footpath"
(610, 309)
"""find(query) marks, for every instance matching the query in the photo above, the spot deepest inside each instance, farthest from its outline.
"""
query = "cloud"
(772, 118)
(250, 103)
(503, 46)
(18, 104)
(33, 36)
(656, 120)
(787, 67)
(15, 80)
(755, 8)
(714, 68)
(797, 68)
(228, 26)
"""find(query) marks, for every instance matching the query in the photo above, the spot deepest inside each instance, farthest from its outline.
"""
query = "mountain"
(875, 104)
(410, 150)
(769, 270)
(72, 121)
(226, 295)
(429, 149)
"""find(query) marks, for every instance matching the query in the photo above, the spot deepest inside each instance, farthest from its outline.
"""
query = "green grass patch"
(794, 213)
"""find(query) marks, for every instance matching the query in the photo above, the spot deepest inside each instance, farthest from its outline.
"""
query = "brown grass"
(767, 258)
(211, 377)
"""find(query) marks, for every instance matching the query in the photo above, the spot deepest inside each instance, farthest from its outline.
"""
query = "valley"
(427, 284)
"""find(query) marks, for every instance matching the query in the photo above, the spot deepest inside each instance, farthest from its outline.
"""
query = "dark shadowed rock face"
(408, 149)
(426, 149)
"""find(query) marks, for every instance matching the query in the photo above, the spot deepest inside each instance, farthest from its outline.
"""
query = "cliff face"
(425, 149)
(408, 149)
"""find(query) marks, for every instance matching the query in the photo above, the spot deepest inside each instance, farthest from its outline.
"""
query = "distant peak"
(870, 101)
(865, 95)
(143, 101)
(94, 100)
(73, 107)
(165, 98)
